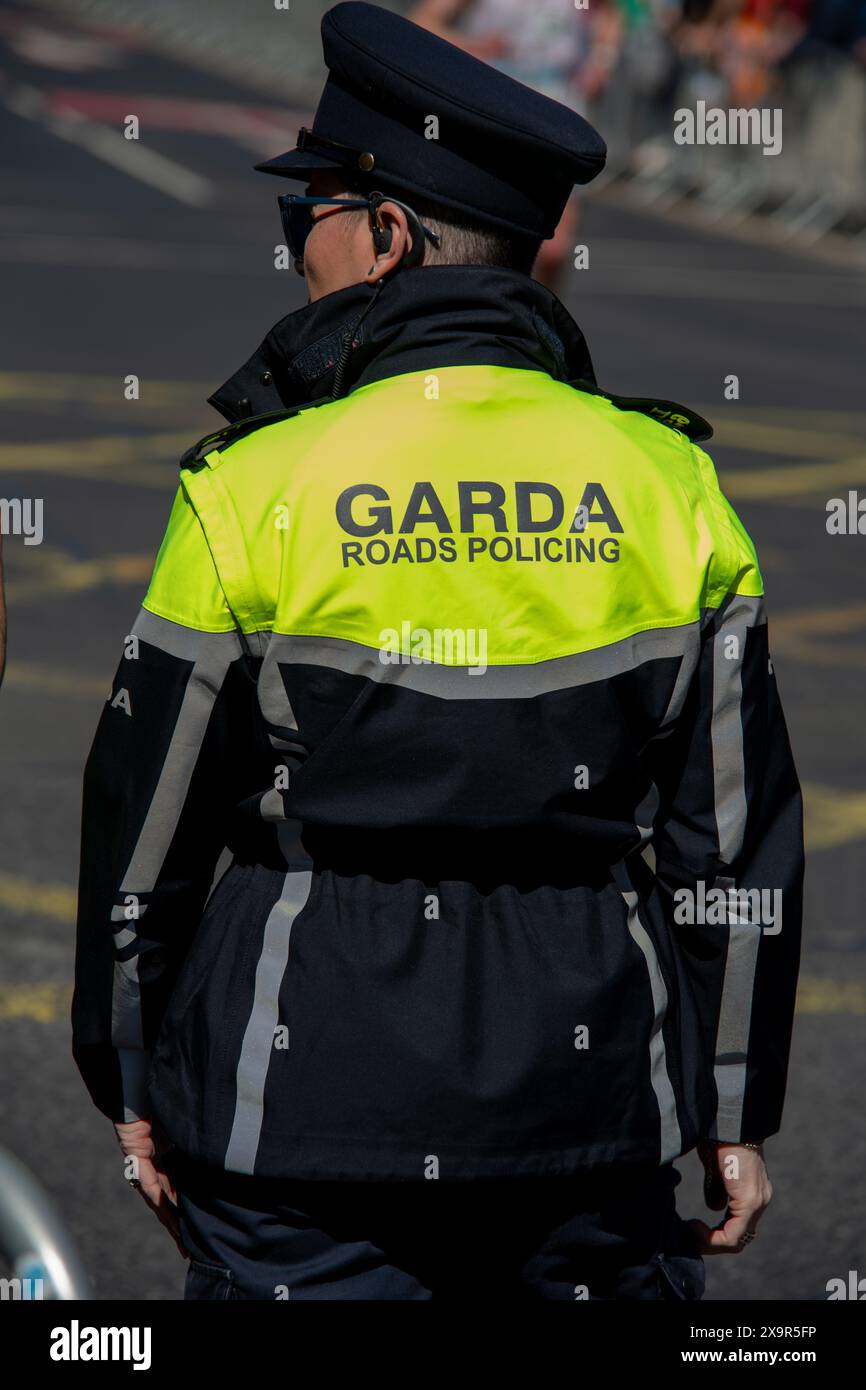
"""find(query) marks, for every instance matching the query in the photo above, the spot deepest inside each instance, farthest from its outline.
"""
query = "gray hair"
(464, 241)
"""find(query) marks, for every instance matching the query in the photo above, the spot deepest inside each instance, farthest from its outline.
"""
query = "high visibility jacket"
(465, 662)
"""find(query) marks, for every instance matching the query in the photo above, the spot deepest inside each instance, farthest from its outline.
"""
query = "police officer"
(464, 661)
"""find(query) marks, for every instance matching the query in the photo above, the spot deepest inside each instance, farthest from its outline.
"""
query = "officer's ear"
(392, 238)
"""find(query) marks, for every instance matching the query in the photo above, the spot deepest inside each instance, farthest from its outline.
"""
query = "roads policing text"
(389, 534)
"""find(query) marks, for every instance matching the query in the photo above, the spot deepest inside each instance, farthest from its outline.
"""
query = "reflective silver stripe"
(729, 772)
(735, 1019)
(274, 700)
(670, 1137)
(211, 653)
(134, 1067)
(258, 1043)
(272, 806)
(497, 682)
(688, 666)
(645, 814)
(740, 613)
(184, 642)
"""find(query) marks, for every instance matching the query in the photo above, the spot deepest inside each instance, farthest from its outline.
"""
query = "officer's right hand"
(742, 1189)
(153, 1174)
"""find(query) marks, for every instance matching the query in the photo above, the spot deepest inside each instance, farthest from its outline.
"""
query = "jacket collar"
(422, 318)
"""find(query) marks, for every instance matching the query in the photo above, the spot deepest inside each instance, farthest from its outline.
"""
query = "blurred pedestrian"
(567, 54)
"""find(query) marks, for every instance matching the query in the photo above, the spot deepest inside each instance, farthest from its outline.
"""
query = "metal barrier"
(34, 1239)
(817, 183)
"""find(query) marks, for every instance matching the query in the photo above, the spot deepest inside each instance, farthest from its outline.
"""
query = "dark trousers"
(615, 1235)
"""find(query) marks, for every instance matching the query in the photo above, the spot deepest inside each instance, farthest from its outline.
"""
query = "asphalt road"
(155, 259)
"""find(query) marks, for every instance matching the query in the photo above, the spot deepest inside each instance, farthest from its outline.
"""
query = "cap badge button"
(366, 161)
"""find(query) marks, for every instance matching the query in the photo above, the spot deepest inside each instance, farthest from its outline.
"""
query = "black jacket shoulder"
(676, 417)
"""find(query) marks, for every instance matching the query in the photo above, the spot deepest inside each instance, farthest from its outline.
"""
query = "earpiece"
(416, 255)
(382, 238)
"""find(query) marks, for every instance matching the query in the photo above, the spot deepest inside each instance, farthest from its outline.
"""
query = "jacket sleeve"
(729, 841)
(159, 784)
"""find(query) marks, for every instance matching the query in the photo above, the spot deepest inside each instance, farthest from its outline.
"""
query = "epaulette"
(229, 434)
(676, 417)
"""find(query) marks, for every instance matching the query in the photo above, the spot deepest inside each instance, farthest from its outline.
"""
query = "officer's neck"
(418, 319)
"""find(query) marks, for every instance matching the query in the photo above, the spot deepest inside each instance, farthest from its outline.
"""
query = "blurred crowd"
(572, 52)
(743, 47)
(629, 64)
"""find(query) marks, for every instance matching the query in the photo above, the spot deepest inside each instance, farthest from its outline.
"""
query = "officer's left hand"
(744, 1194)
(153, 1176)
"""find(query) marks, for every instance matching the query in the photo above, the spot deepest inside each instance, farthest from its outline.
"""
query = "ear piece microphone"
(382, 236)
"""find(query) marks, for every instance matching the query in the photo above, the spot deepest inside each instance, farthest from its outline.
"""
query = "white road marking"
(129, 156)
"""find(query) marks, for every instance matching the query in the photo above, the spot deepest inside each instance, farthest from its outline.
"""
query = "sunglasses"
(296, 211)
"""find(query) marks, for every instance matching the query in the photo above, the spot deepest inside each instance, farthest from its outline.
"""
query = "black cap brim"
(296, 164)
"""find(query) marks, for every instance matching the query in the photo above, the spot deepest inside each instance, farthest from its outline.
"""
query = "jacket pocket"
(209, 1281)
(682, 1276)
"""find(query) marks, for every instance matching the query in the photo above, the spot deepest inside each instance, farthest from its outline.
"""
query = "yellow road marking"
(54, 680)
(95, 455)
(78, 387)
(760, 438)
(806, 501)
(817, 995)
(784, 416)
(818, 478)
(836, 619)
(54, 900)
(55, 571)
(40, 1003)
(795, 635)
(833, 816)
